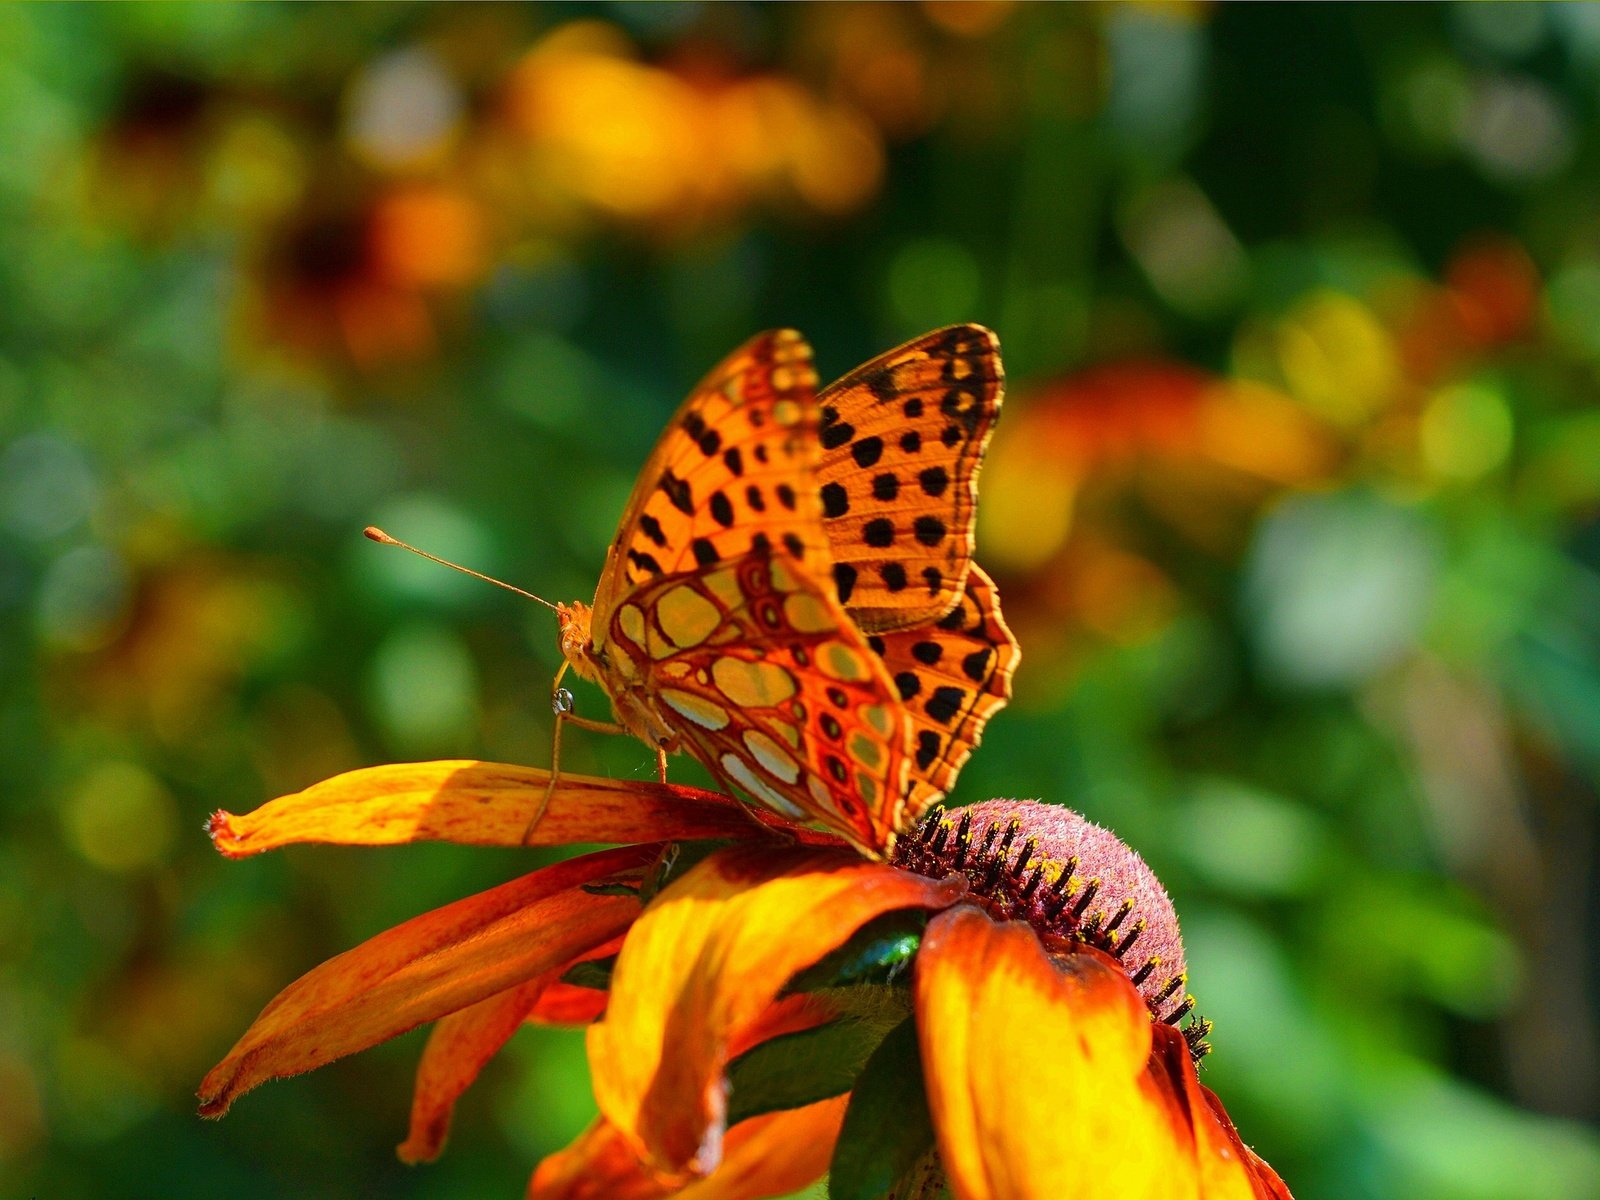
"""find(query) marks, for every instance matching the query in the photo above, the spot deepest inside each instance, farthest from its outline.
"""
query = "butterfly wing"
(902, 440)
(951, 677)
(733, 471)
(771, 686)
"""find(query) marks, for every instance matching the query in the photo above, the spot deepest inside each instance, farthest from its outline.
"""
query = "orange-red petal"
(770, 1155)
(1039, 1070)
(457, 1050)
(703, 963)
(463, 1042)
(486, 804)
(434, 964)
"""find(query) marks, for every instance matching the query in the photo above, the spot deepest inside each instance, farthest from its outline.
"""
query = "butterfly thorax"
(614, 671)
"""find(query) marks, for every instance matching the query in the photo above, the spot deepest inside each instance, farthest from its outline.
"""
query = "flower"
(1036, 1032)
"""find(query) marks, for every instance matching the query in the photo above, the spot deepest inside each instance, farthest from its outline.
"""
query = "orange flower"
(783, 968)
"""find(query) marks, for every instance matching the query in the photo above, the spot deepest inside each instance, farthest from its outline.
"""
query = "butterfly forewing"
(950, 677)
(772, 690)
(734, 471)
(902, 438)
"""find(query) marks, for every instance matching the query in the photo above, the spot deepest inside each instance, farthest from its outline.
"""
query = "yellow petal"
(435, 964)
(701, 966)
(1040, 1071)
(769, 1155)
(484, 804)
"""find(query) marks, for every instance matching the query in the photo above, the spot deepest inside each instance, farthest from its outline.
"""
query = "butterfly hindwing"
(773, 690)
(734, 471)
(902, 438)
(950, 676)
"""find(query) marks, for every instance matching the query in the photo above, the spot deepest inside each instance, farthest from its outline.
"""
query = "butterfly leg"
(562, 702)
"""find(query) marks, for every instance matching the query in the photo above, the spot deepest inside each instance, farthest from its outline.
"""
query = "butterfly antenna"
(383, 539)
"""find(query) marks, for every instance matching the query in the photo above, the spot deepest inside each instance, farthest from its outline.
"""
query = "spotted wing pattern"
(734, 471)
(951, 677)
(902, 440)
(768, 684)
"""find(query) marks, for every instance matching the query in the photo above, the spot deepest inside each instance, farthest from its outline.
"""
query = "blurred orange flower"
(362, 283)
(676, 148)
(1037, 913)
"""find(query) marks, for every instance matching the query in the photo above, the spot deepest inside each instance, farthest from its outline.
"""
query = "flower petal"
(463, 1042)
(457, 1050)
(770, 1155)
(568, 1004)
(487, 804)
(1217, 1141)
(1034, 1067)
(703, 963)
(434, 964)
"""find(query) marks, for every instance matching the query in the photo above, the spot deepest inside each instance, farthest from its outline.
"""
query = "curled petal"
(486, 804)
(1035, 1067)
(702, 965)
(770, 1155)
(434, 964)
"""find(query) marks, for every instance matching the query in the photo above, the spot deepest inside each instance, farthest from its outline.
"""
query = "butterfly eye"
(561, 702)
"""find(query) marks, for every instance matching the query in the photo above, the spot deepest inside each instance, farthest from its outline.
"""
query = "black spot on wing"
(652, 529)
(837, 435)
(927, 748)
(844, 578)
(878, 532)
(721, 509)
(929, 531)
(886, 486)
(645, 562)
(835, 500)
(733, 460)
(894, 576)
(705, 552)
(912, 408)
(881, 384)
(678, 491)
(754, 498)
(927, 653)
(867, 451)
(934, 480)
(944, 704)
(786, 496)
(976, 665)
(911, 442)
(908, 683)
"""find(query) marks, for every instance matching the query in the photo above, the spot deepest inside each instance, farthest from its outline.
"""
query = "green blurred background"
(1293, 507)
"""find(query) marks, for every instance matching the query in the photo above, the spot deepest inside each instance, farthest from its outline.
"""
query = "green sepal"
(887, 1129)
(797, 1069)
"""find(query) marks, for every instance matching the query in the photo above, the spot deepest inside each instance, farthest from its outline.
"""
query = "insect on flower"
(791, 596)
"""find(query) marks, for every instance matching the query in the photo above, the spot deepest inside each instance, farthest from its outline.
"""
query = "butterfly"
(820, 640)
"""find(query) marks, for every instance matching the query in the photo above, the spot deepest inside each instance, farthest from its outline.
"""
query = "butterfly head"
(576, 643)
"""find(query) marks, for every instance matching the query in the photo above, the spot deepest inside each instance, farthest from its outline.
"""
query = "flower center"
(1074, 882)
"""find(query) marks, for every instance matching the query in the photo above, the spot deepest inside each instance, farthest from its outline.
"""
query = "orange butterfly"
(761, 542)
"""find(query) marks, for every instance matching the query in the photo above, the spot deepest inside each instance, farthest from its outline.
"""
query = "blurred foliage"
(1294, 508)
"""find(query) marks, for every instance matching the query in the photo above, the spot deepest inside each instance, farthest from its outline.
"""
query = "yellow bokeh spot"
(120, 817)
(1338, 359)
(1465, 432)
